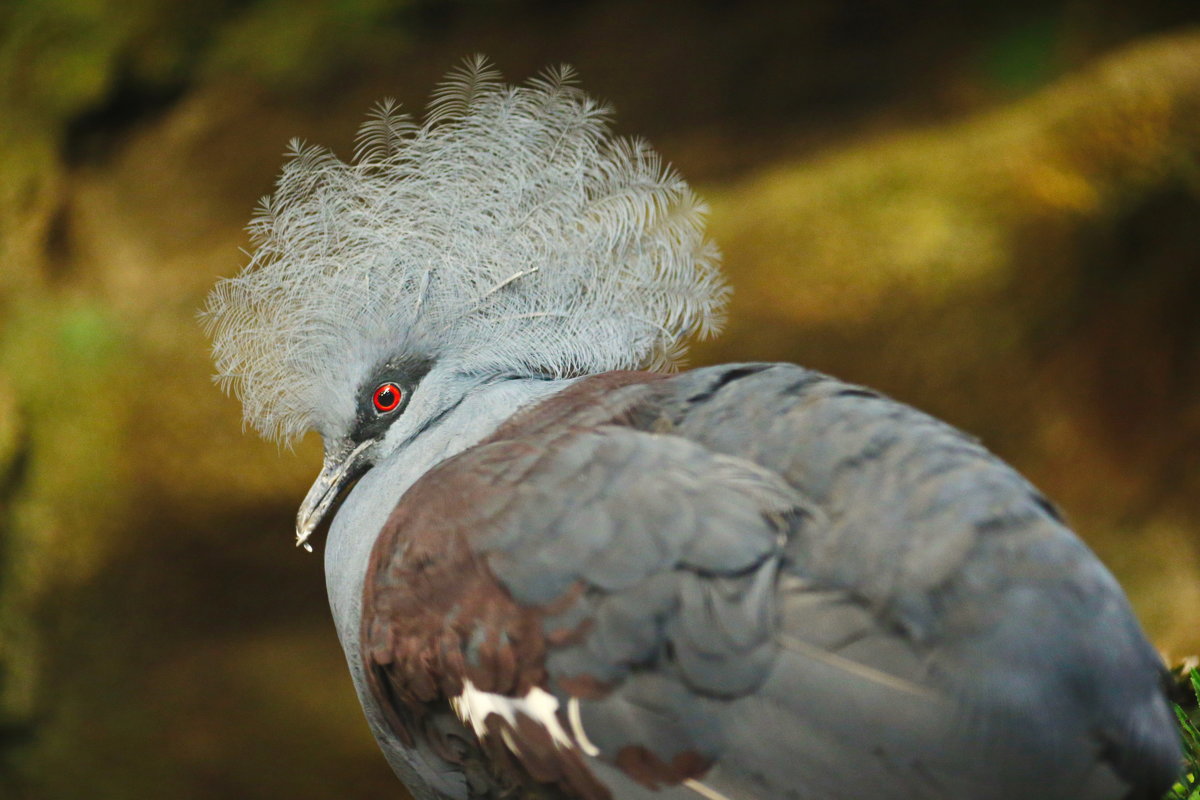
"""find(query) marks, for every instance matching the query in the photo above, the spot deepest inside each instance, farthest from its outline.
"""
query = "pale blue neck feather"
(362, 515)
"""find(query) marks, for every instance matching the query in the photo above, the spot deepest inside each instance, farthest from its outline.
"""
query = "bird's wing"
(530, 579)
(722, 577)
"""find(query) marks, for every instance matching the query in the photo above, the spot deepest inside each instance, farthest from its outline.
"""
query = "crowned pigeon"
(561, 570)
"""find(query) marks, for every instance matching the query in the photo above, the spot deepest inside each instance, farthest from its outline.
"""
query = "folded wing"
(753, 582)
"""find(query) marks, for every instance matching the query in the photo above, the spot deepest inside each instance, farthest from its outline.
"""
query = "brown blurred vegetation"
(991, 211)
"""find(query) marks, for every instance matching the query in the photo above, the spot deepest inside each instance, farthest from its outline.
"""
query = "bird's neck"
(361, 517)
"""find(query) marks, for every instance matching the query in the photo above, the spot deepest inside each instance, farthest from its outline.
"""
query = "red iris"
(386, 398)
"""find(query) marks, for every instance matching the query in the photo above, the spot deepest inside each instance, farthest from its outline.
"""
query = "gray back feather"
(510, 232)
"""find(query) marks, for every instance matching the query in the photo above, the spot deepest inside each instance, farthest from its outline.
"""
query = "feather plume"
(509, 231)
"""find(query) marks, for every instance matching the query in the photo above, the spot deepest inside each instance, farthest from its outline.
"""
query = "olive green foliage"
(1188, 787)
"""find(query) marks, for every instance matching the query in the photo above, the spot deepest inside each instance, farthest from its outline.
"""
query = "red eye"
(387, 397)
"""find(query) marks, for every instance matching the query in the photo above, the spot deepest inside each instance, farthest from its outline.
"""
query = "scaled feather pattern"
(508, 232)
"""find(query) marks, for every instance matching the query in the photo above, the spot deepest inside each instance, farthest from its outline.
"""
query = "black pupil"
(386, 398)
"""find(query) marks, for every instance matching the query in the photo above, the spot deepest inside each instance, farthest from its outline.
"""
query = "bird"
(561, 567)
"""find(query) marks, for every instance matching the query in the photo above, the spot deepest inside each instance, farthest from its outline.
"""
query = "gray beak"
(339, 469)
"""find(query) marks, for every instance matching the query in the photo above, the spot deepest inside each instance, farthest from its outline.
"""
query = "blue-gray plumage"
(554, 579)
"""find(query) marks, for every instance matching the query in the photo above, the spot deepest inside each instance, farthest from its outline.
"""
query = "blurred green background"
(989, 210)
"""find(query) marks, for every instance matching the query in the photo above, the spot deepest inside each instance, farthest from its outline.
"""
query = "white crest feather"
(509, 232)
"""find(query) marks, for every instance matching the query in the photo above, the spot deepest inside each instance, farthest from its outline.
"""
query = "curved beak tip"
(336, 473)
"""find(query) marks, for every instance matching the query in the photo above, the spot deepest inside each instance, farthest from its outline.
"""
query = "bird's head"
(508, 234)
